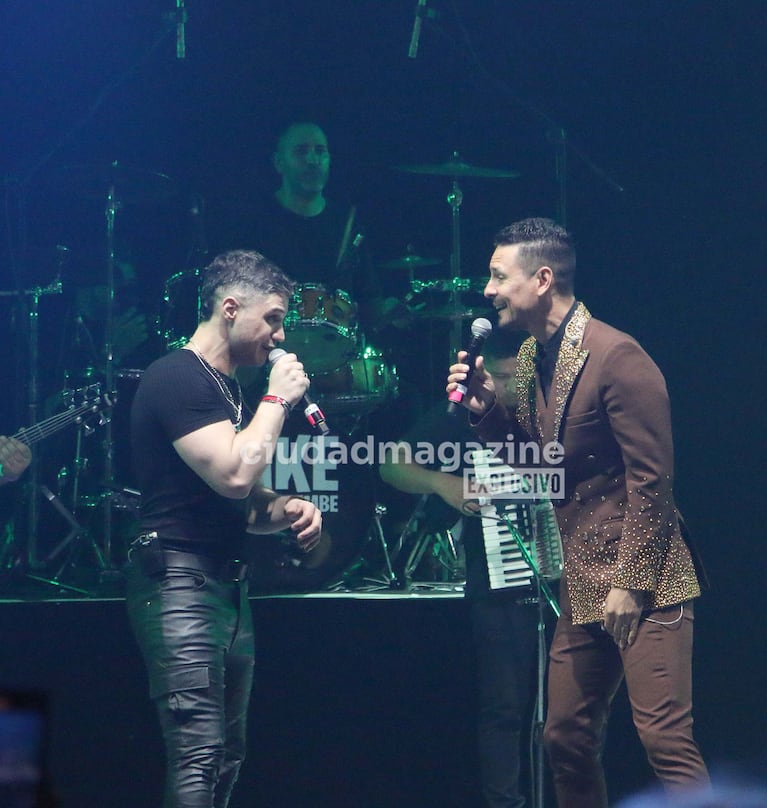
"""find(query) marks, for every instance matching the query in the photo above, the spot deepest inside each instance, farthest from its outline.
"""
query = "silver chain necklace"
(220, 381)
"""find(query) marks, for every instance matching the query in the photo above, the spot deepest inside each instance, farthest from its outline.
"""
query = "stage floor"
(364, 693)
(361, 700)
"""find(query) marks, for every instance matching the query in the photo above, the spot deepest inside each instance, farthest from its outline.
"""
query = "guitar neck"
(44, 429)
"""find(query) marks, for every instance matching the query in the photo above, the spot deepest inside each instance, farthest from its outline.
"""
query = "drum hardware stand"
(76, 533)
(441, 542)
(389, 579)
(417, 514)
(107, 569)
(443, 546)
(33, 473)
(79, 464)
(7, 549)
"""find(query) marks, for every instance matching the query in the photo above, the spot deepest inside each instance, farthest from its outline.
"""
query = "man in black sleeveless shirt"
(199, 461)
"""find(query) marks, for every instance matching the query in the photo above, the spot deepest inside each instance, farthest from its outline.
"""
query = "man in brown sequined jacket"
(629, 580)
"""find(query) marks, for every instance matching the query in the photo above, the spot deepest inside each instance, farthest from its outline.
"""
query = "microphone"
(480, 331)
(312, 412)
(420, 13)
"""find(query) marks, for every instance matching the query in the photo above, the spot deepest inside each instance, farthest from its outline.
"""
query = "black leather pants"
(195, 633)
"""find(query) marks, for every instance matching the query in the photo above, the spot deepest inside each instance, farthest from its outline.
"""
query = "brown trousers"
(586, 668)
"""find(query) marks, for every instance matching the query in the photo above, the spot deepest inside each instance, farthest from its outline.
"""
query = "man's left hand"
(622, 612)
(15, 456)
(305, 521)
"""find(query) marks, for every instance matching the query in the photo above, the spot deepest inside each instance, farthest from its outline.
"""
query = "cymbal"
(448, 299)
(131, 185)
(456, 167)
(410, 261)
(449, 285)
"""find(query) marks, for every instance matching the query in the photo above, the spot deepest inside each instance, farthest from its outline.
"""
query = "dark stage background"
(664, 109)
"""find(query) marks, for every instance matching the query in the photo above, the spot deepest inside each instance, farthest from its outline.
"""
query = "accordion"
(534, 520)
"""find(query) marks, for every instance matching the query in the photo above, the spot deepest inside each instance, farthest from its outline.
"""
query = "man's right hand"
(287, 379)
(449, 488)
(481, 396)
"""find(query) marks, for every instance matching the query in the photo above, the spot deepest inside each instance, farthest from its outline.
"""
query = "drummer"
(312, 237)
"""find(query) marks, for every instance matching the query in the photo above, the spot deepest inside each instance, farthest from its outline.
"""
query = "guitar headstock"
(89, 406)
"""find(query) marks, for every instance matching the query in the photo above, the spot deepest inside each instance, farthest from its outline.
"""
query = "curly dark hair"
(246, 272)
(543, 243)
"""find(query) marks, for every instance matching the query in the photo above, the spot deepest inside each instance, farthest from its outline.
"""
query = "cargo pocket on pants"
(178, 684)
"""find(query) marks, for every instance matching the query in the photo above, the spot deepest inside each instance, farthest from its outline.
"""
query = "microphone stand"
(544, 593)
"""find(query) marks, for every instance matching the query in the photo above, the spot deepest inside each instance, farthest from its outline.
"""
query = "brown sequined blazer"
(609, 408)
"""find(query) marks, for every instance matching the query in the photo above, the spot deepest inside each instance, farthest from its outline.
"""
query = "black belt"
(232, 570)
(154, 559)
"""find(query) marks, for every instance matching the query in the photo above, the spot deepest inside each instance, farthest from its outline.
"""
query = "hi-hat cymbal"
(410, 261)
(130, 185)
(456, 167)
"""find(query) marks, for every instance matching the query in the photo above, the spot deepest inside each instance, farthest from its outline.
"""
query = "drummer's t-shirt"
(307, 247)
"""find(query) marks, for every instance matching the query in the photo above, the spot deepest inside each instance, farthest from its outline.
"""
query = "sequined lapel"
(570, 361)
(526, 409)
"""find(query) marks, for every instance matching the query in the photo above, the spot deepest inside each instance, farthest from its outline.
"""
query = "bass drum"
(334, 473)
(359, 387)
(180, 310)
(321, 327)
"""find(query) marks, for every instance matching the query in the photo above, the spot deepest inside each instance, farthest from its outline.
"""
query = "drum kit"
(117, 186)
(350, 377)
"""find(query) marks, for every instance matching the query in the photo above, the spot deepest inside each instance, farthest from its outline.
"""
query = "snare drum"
(321, 327)
(360, 386)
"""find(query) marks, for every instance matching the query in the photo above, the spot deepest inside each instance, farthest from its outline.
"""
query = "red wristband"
(283, 402)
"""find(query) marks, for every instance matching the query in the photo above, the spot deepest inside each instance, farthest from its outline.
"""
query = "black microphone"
(312, 412)
(480, 331)
(420, 13)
